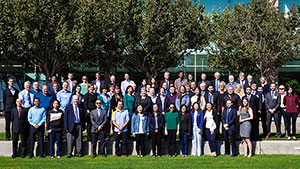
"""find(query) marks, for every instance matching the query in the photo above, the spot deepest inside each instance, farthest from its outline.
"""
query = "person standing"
(185, 130)
(264, 84)
(84, 85)
(198, 98)
(139, 129)
(144, 100)
(272, 102)
(167, 81)
(216, 81)
(282, 110)
(291, 101)
(89, 105)
(99, 120)
(10, 96)
(64, 96)
(182, 98)
(72, 83)
(228, 119)
(180, 81)
(36, 88)
(246, 115)
(45, 98)
(242, 81)
(163, 102)
(203, 80)
(120, 120)
(55, 121)
(50, 85)
(211, 120)
(36, 119)
(197, 122)
(105, 100)
(172, 126)
(19, 127)
(129, 100)
(74, 125)
(98, 82)
(127, 82)
(55, 90)
(156, 124)
(26, 96)
(173, 95)
(231, 82)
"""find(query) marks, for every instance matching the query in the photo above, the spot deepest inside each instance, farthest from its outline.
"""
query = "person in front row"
(197, 123)
(246, 115)
(139, 129)
(99, 120)
(36, 119)
(156, 124)
(172, 126)
(19, 127)
(185, 130)
(211, 120)
(228, 119)
(120, 120)
(74, 125)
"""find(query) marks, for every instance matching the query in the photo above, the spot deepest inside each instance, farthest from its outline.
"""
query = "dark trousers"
(283, 114)
(23, 144)
(7, 124)
(254, 129)
(156, 142)
(171, 142)
(140, 144)
(184, 142)
(211, 140)
(55, 135)
(231, 134)
(40, 132)
(263, 117)
(277, 118)
(293, 117)
(122, 136)
(101, 135)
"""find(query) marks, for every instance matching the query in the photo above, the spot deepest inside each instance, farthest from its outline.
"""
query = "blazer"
(146, 103)
(90, 101)
(19, 124)
(98, 120)
(231, 118)
(272, 103)
(166, 104)
(69, 118)
(186, 122)
(161, 122)
(217, 102)
(200, 119)
(255, 104)
(9, 100)
(135, 123)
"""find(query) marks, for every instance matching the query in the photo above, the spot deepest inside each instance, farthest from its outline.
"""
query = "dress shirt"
(120, 117)
(36, 116)
(65, 98)
(27, 97)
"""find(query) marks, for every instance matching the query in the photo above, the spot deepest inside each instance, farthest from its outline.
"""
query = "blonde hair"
(241, 93)
(224, 84)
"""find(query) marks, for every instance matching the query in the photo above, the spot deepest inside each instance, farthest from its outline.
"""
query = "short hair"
(27, 82)
(242, 73)
(203, 74)
(229, 100)
(217, 73)
(35, 83)
(36, 98)
(54, 83)
(249, 76)
(10, 78)
(99, 73)
(230, 76)
(103, 87)
(167, 73)
(180, 72)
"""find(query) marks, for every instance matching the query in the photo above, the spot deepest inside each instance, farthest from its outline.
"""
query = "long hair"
(51, 105)
(292, 94)
(129, 86)
(193, 109)
(179, 94)
(136, 110)
(182, 107)
(247, 106)
(224, 84)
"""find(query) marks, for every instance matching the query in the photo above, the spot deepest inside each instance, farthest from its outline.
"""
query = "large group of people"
(169, 109)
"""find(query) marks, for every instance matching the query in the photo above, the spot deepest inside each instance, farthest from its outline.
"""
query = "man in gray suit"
(272, 102)
(99, 120)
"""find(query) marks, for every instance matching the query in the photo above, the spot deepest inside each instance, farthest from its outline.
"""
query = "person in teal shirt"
(172, 127)
(129, 100)
(84, 85)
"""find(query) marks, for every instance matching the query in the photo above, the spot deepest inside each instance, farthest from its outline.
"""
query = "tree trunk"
(271, 75)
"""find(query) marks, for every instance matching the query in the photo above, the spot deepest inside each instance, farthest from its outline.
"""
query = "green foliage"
(253, 38)
(295, 86)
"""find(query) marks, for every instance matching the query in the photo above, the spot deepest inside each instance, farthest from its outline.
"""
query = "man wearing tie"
(272, 102)
(99, 120)
(167, 81)
(19, 127)
(36, 119)
(10, 96)
(26, 96)
(216, 82)
(228, 120)
(74, 125)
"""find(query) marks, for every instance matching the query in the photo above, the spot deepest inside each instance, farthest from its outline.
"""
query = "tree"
(42, 32)
(161, 32)
(254, 38)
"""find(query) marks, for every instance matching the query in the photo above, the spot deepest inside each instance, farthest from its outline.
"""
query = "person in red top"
(291, 102)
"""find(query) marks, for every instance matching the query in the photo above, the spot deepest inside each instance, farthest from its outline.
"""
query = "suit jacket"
(231, 118)
(186, 122)
(255, 104)
(272, 103)
(19, 124)
(146, 103)
(170, 82)
(98, 120)
(207, 83)
(217, 102)
(166, 104)
(161, 122)
(9, 100)
(69, 118)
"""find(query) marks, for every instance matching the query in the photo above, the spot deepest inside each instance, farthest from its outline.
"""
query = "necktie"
(167, 81)
(217, 86)
(272, 94)
(228, 110)
(28, 97)
(249, 97)
(76, 113)
(19, 111)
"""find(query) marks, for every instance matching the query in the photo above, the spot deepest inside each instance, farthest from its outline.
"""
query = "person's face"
(249, 78)
(11, 82)
(97, 76)
(210, 89)
(45, 90)
(104, 91)
(84, 79)
(75, 100)
(172, 108)
(172, 89)
(144, 82)
(262, 80)
(193, 85)
(19, 102)
(182, 89)
(290, 91)
(242, 77)
(222, 87)
(162, 92)
(197, 91)
(248, 90)
(166, 75)
(55, 86)
(230, 90)
(98, 104)
(152, 92)
(133, 86)
(153, 81)
(188, 87)
(35, 86)
(53, 79)
(245, 102)
(36, 102)
(208, 107)
(120, 105)
(126, 76)
(260, 89)
(231, 79)
(217, 75)
(273, 87)
(112, 78)
(78, 89)
(253, 86)
(148, 87)
(202, 86)
(70, 76)
(183, 109)
(91, 89)
(117, 90)
(238, 88)
(27, 86)
(203, 77)
(165, 86)
(143, 92)
(130, 90)
(196, 107)
(55, 104)
(155, 108)
(281, 89)
(228, 104)
(180, 75)
(190, 77)
(111, 88)
(65, 86)
(140, 109)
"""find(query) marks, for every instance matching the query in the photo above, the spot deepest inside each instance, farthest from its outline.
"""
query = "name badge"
(275, 97)
(143, 118)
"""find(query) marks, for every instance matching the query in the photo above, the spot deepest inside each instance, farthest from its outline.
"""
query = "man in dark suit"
(248, 82)
(216, 81)
(10, 96)
(272, 102)
(213, 97)
(228, 120)
(50, 85)
(19, 127)
(255, 104)
(203, 80)
(99, 120)
(98, 82)
(74, 125)
(167, 81)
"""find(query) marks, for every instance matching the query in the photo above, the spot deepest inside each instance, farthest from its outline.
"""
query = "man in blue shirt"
(64, 96)
(120, 120)
(45, 98)
(36, 119)
(27, 96)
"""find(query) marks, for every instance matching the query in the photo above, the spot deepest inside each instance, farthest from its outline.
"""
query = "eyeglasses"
(172, 107)
(98, 103)
(281, 88)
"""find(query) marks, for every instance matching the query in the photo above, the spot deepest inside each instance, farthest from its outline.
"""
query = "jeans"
(184, 142)
(171, 142)
(292, 116)
(52, 136)
(212, 140)
(196, 142)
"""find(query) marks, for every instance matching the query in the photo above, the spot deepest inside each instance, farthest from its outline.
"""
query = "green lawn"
(224, 162)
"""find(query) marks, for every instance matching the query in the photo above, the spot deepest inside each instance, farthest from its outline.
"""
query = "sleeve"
(43, 117)
(232, 120)
(297, 100)
(188, 101)
(278, 102)
(147, 125)
(92, 118)
(177, 103)
(30, 120)
(66, 118)
(4, 97)
(189, 124)
(267, 102)
(133, 124)
(260, 102)
(105, 120)
(48, 121)
(284, 100)
(203, 103)
(58, 97)
(125, 102)
(177, 118)
(223, 116)
(127, 116)
(201, 120)
(113, 116)
(86, 100)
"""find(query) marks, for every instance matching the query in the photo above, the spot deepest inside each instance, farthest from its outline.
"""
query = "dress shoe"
(294, 138)
(42, 156)
(68, 156)
(233, 155)
(31, 156)
(104, 156)
(278, 137)
(13, 156)
(116, 156)
(22, 156)
(125, 155)
(267, 137)
(79, 155)
(93, 156)
(7, 139)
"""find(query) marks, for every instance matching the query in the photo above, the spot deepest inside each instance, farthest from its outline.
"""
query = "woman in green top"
(129, 100)
(84, 85)
(172, 129)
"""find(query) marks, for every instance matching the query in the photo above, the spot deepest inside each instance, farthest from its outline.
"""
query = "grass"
(224, 162)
